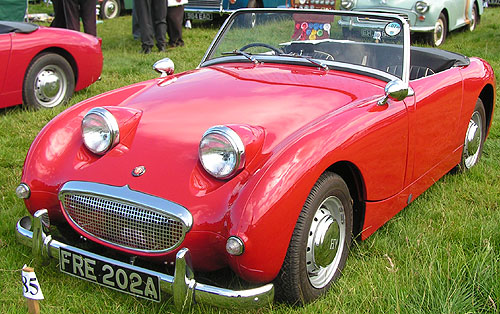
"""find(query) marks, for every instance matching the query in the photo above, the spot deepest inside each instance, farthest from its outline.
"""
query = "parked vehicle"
(109, 9)
(42, 66)
(433, 19)
(288, 141)
(210, 9)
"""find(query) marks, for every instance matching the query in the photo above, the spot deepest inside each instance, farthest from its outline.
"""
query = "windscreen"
(327, 37)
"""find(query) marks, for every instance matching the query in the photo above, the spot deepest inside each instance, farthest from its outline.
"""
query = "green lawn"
(439, 255)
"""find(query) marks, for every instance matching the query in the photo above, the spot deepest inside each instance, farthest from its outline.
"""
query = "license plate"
(113, 276)
(204, 16)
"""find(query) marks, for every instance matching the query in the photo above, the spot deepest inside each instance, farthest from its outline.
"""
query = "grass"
(439, 255)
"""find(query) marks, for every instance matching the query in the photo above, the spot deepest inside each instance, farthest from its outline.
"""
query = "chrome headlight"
(421, 7)
(221, 152)
(100, 131)
(347, 4)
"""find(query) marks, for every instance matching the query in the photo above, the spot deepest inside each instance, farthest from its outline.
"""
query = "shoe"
(161, 48)
(146, 50)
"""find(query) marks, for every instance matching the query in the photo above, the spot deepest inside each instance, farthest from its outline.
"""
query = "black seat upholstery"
(416, 71)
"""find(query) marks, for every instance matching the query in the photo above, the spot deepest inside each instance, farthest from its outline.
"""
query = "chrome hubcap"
(50, 86)
(438, 32)
(325, 242)
(473, 139)
(110, 9)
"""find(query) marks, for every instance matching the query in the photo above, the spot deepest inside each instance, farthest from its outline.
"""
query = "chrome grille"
(203, 4)
(124, 223)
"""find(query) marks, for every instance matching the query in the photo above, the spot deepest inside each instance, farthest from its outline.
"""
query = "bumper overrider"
(182, 286)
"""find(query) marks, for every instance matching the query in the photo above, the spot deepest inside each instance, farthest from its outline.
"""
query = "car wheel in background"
(474, 19)
(474, 138)
(109, 9)
(320, 242)
(48, 82)
(438, 36)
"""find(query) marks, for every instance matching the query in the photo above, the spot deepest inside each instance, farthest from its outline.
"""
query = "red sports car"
(286, 143)
(41, 67)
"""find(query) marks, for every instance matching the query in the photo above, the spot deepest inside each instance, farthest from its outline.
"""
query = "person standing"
(84, 9)
(59, 20)
(175, 15)
(151, 15)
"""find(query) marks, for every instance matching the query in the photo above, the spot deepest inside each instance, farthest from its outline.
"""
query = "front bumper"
(182, 286)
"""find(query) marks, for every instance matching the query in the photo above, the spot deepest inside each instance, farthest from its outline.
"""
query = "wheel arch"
(447, 16)
(66, 55)
(354, 180)
(487, 96)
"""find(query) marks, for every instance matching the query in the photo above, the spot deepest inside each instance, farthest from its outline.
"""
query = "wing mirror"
(396, 90)
(164, 66)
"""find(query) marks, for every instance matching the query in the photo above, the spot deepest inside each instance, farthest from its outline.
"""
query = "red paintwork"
(296, 122)
(17, 50)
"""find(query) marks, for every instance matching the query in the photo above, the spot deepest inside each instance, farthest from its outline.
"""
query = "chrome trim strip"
(182, 285)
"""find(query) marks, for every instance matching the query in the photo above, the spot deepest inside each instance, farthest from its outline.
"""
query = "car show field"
(439, 254)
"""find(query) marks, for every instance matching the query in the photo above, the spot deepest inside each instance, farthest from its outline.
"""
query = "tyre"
(474, 138)
(438, 36)
(110, 9)
(474, 19)
(320, 242)
(48, 82)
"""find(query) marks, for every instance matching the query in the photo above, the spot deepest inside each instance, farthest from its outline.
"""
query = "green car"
(433, 19)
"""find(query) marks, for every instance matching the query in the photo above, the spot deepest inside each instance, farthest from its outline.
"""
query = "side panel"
(5, 47)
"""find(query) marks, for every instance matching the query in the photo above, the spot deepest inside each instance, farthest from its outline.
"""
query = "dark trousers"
(76, 9)
(59, 19)
(152, 16)
(175, 15)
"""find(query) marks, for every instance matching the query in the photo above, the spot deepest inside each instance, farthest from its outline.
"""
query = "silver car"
(432, 18)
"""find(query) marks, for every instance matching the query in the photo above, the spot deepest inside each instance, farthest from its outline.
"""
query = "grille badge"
(138, 171)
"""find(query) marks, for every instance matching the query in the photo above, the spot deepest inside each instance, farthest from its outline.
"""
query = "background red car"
(41, 67)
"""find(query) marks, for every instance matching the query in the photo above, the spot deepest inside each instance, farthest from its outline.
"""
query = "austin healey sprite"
(285, 144)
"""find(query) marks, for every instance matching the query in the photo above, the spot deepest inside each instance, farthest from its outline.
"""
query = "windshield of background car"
(357, 41)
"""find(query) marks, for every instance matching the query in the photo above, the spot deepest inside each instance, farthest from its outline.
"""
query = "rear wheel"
(474, 19)
(320, 242)
(474, 138)
(48, 82)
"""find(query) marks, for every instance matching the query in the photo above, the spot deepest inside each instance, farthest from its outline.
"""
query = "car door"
(438, 103)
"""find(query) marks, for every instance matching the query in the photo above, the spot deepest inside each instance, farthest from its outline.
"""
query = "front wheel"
(320, 242)
(48, 82)
(474, 138)
(438, 36)
(110, 9)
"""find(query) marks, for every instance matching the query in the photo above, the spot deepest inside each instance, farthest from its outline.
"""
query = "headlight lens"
(100, 131)
(347, 4)
(221, 152)
(421, 7)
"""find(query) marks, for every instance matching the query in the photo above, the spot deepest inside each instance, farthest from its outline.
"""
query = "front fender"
(266, 210)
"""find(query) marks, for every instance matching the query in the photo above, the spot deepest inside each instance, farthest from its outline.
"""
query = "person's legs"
(159, 16)
(72, 14)
(87, 11)
(175, 16)
(143, 8)
(59, 19)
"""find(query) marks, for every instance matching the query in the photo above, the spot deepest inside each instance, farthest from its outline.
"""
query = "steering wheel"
(276, 50)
